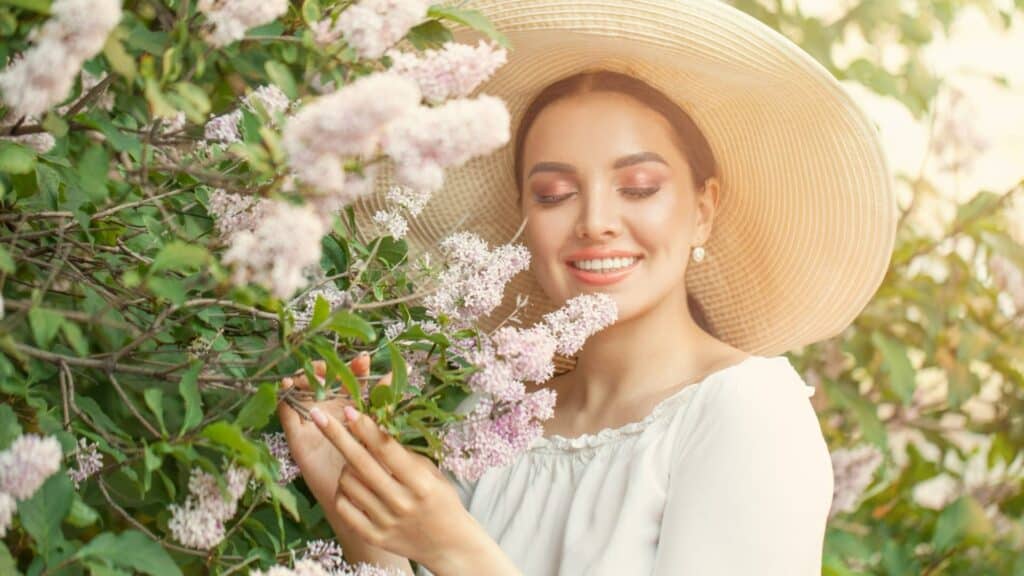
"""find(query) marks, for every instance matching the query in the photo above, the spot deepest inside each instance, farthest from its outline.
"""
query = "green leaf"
(180, 256)
(75, 338)
(193, 101)
(430, 34)
(40, 6)
(6, 262)
(92, 172)
(381, 396)
(347, 324)
(962, 522)
(7, 564)
(256, 412)
(897, 365)
(188, 387)
(42, 514)
(155, 401)
(471, 18)
(81, 514)
(10, 428)
(311, 11)
(16, 159)
(170, 288)
(229, 435)
(131, 549)
(45, 325)
(284, 496)
(399, 371)
(280, 75)
(321, 310)
(120, 60)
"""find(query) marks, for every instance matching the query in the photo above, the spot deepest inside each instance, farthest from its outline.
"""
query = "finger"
(382, 446)
(320, 368)
(363, 497)
(356, 455)
(355, 518)
(360, 365)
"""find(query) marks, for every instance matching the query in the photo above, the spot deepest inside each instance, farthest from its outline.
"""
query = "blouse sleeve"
(750, 485)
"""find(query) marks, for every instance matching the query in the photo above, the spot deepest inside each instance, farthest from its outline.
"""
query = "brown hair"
(689, 138)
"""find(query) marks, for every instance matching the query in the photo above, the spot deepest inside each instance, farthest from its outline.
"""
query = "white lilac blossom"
(278, 251)
(27, 463)
(223, 129)
(373, 26)
(335, 299)
(199, 523)
(278, 446)
(1008, 278)
(311, 567)
(8, 506)
(43, 75)
(41, 142)
(494, 433)
(853, 469)
(580, 317)
(473, 282)
(393, 222)
(454, 71)
(88, 461)
(231, 18)
(236, 212)
(427, 140)
(349, 122)
(412, 200)
(327, 553)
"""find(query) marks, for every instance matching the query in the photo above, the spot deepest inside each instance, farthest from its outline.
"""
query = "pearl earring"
(698, 254)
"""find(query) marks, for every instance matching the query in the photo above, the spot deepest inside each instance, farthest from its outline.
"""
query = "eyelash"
(634, 192)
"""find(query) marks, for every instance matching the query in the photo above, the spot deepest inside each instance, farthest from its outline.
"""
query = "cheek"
(546, 233)
(660, 224)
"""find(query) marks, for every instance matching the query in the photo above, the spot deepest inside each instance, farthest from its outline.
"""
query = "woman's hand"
(398, 500)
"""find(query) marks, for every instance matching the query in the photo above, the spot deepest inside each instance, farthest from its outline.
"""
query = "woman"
(717, 183)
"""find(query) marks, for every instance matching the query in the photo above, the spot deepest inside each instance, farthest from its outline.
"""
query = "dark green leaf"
(430, 34)
(229, 435)
(155, 401)
(471, 18)
(180, 256)
(45, 325)
(81, 514)
(283, 496)
(10, 428)
(188, 387)
(962, 522)
(16, 159)
(399, 371)
(6, 262)
(42, 514)
(349, 325)
(131, 549)
(256, 412)
(75, 338)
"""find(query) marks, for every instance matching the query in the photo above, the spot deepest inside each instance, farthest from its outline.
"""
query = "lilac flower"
(494, 433)
(373, 26)
(8, 506)
(41, 142)
(231, 18)
(412, 200)
(527, 351)
(579, 318)
(223, 129)
(199, 523)
(27, 463)
(44, 74)
(343, 124)
(335, 299)
(310, 567)
(493, 376)
(854, 469)
(275, 254)
(474, 280)
(427, 140)
(1008, 278)
(278, 446)
(88, 461)
(454, 71)
(327, 553)
(236, 212)
(270, 98)
(393, 222)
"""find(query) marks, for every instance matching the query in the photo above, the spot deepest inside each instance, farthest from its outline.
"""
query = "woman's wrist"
(476, 553)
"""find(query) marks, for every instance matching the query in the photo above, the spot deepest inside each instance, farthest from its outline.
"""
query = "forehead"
(598, 125)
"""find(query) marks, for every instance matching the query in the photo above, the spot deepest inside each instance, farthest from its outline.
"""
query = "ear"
(707, 198)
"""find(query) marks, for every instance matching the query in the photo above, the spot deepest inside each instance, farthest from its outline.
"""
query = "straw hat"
(807, 215)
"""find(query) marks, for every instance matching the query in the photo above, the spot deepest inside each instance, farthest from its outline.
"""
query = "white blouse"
(728, 476)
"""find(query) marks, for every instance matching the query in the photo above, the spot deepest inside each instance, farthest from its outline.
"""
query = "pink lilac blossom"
(427, 140)
(199, 523)
(327, 553)
(310, 567)
(454, 71)
(493, 376)
(27, 463)
(527, 351)
(346, 123)
(335, 299)
(88, 461)
(494, 433)
(8, 506)
(412, 200)
(236, 212)
(393, 222)
(473, 281)
(223, 129)
(854, 469)
(231, 18)
(276, 254)
(579, 318)
(278, 446)
(373, 26)
(45, 73)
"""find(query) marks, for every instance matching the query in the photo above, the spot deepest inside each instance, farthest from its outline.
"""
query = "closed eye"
(640, 192)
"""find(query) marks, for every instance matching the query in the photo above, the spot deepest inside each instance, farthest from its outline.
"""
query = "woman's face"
(606, 188)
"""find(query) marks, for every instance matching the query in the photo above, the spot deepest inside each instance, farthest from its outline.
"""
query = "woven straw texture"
(807, 220)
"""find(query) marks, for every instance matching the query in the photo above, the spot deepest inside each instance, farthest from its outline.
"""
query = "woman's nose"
(599, 216)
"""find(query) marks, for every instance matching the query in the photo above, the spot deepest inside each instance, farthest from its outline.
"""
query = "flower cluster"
(88, 461)
(578, 319)
(278, 446)
(454, 71)
(224, 129)
(853, 469)
(333, 566)
(335, 298)
(473, 281)
(43, 75)
(24, 467)
(199, 523)
(236, 212)
(231, 18)
(373, 26)
(278, 251)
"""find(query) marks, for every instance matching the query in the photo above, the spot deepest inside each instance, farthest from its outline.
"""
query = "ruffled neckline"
(559, 443)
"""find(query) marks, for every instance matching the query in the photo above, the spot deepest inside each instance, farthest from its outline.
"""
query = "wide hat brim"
(807, 217)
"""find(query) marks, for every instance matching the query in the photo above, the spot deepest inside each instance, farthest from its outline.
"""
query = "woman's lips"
(602, 278)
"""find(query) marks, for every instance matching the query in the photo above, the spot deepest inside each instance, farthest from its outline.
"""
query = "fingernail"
(351, 413)
(319, 417)
(287, 383)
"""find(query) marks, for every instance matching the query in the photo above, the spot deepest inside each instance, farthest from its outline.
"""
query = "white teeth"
(604, 264)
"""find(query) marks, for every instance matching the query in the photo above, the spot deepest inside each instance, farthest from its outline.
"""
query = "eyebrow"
(630, 160)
